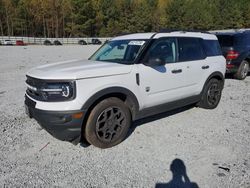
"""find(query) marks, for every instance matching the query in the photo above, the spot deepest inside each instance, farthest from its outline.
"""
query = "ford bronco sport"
(128, 78)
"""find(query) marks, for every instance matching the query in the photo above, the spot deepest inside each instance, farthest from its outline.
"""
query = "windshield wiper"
(118, 61)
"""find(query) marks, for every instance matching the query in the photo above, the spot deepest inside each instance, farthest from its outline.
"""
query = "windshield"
(119, 51)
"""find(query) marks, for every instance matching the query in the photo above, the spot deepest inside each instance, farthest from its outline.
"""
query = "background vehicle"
(95, 41)
(20, 43)
(57, 43)
(47, 43)
(82, 42)
(129, 77)
(7, 42)
(236, 49)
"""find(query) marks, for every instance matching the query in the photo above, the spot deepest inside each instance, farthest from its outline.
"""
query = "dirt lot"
(202, 140)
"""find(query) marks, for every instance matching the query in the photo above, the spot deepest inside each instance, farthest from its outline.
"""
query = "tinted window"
(190, 49)
(225, 40)
(242, 40)
(212, 47)
(163, 49)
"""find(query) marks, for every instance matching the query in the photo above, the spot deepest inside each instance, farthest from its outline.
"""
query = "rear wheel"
(108, 123)
(243, 70)
(211, 94)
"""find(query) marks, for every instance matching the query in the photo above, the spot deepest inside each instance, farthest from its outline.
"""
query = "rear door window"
(190, 49)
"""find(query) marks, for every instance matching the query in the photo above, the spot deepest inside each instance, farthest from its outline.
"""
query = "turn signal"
(78, 115)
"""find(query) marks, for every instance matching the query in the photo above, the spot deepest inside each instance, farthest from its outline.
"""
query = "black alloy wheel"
(108, 123)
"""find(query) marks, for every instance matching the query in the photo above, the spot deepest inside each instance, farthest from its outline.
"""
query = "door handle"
(205, 67)
(176, 71)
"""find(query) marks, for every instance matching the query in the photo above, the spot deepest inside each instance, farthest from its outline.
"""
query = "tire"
(211, 94)
(243, 70)
(108, 123)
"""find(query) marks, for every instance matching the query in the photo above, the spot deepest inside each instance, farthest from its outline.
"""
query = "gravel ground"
(200, 141)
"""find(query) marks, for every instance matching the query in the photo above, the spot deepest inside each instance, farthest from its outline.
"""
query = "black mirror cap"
(155, 62)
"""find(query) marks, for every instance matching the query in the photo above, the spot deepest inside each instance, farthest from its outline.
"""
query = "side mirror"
(155, 61)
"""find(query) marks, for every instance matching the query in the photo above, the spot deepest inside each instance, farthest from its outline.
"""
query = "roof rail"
(181, 30)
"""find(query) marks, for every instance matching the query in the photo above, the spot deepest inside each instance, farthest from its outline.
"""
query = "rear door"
(192, 58)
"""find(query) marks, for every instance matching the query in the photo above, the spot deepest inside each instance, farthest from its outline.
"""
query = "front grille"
(33, 91)
(29, 102)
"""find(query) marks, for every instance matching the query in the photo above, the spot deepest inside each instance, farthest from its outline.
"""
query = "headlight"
(43, 90)
(57, 91)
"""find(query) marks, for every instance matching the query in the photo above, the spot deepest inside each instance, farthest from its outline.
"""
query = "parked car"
(47, 43)
(236, 49)
(95, 41)
(20, 43)
(7, 42)
(57, 43)
(128, 78)
(82, 42)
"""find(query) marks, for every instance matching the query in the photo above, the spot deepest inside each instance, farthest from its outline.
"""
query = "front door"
(161, 77)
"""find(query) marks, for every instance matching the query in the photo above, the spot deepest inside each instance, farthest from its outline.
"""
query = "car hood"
(78, 69)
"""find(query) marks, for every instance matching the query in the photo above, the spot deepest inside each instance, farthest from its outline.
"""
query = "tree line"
(87, 18)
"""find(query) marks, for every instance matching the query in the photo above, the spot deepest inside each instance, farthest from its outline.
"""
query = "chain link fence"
(40, 41)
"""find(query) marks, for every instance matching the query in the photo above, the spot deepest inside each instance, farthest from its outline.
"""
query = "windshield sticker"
(138, 43)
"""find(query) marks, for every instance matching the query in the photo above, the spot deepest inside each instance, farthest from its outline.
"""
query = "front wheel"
(211, 94)
(108, 123)
(243, 70)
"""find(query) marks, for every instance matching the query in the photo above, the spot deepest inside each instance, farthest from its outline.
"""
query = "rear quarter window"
(242, 40)
(211, 47)
(225, 40)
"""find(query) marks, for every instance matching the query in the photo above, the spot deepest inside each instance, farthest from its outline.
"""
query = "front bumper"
(63, 125)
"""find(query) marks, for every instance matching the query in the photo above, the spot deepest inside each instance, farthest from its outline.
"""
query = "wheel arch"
(217, 75)
(124, 94)
(120, 92)
(248, 58)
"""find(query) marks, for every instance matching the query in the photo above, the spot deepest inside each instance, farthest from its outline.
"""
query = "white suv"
(129, 77)
(7, 42)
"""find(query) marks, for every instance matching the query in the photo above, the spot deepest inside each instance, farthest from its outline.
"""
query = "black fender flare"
(131, 99)
(217, 75)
